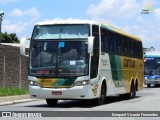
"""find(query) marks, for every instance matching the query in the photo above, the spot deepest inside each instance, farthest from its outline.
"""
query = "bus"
(152, 68)
(83, 59)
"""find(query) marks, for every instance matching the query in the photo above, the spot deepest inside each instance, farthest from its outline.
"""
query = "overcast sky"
(128, 15)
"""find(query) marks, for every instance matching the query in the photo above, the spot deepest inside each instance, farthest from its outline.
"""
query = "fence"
(13, 67)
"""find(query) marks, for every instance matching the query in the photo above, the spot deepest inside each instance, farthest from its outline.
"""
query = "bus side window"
(123, 49)
(111, 42)
(128, 47)
(136, 49)
(140, 54)
(114, 43)
(132, 48)
(117, 44)
(141, 50)
(104, 42)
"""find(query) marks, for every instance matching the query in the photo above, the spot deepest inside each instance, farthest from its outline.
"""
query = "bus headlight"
(145, 78)
(81, 83)
(33, 83)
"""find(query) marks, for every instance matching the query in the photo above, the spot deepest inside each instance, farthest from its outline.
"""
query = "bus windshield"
(60, 31)
(152, 66)
(59, 50)
(59, 58)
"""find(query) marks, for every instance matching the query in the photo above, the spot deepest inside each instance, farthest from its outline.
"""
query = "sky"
(128, 15)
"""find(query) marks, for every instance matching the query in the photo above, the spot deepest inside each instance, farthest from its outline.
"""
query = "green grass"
(12, 91)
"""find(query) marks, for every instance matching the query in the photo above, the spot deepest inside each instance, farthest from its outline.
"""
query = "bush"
(12, 91)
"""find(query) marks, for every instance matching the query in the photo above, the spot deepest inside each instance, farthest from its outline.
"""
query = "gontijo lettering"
(129, 63)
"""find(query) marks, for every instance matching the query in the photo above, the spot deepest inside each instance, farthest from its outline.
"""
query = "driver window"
(95, 57)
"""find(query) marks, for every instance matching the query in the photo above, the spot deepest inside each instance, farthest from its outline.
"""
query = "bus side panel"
(141, 74)
(132, 69)
(119, 71)
(111, 70)
(116, 68)
(117, 74)
(106, 73)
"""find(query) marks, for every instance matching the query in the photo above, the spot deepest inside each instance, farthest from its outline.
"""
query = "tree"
(9, 38)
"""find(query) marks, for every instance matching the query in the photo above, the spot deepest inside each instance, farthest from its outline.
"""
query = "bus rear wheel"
(130, 95)
(52, 102)
(157, 85)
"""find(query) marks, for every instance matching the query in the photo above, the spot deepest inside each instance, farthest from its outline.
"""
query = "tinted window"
(95, 57)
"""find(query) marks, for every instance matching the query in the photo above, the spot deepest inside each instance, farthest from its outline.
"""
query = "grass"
(12, 91)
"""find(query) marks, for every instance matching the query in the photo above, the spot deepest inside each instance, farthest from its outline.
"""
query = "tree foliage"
(9, 38)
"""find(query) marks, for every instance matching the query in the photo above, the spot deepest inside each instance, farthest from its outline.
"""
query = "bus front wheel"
(101, 99)
(148, 85)
(52, 102)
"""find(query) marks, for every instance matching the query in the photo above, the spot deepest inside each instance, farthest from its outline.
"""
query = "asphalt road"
(146, 100)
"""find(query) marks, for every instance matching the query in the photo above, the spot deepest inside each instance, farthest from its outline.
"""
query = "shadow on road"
(82, 103)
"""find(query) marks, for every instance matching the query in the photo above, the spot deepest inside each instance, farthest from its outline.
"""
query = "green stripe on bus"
(64, 82)
(116, 69)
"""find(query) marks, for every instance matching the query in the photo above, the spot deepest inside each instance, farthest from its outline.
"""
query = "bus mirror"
(23, 46)
(90, 44)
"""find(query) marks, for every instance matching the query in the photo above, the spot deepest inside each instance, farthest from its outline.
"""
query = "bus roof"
(152, 54)
(107, 26)
(114, 29)
(68, 22)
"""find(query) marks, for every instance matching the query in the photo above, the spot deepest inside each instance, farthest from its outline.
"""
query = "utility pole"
(1, 18)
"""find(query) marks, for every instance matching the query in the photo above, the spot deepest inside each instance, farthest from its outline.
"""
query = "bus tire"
(148, 85)
(101, 99)
(130, 95)
(136, 85)
(52, 102)
(157, 85)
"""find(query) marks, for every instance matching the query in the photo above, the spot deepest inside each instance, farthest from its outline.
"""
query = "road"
(146, 100)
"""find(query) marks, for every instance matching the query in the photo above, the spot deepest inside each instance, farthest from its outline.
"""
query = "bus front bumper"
(77, 92)
(152, 81)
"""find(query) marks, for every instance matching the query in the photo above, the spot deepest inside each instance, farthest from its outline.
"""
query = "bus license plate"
(57, 93)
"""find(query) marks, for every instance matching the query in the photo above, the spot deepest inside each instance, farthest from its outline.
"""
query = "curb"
(17, 101)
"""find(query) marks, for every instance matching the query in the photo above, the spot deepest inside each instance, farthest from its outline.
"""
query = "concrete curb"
(17, 101)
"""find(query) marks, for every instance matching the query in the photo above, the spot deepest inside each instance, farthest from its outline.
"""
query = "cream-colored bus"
(83, 59)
